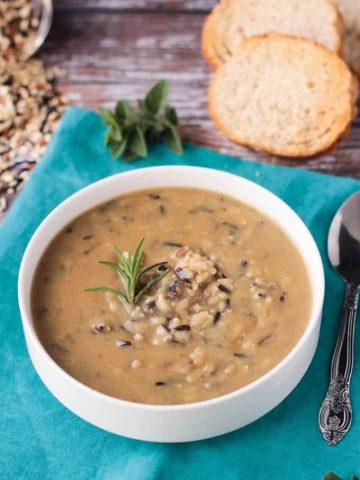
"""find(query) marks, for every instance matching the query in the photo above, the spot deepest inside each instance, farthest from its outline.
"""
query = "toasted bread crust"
(350, 12)
(221, 18)
(298, 144)
(207, 48)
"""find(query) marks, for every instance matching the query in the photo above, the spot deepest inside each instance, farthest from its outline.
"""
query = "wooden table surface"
(118, 48)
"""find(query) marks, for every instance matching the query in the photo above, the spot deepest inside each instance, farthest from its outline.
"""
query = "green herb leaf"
(108, 136)
(137, 143)
(118, 148)
(172, 139)
(141, 105)
(131, 131)
(331, 476)
(151, 267)
(116, 133)
(150, 284)
(129, 270)
(107, 116)
(107, 289)
(171, 116)
(117, 268)
(156, 98)
(129, 156)
(125, 113)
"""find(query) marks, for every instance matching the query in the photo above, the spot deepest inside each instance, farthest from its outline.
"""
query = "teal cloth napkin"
(41, 439)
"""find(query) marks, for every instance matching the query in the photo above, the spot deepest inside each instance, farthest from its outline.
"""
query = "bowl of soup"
(171, 303)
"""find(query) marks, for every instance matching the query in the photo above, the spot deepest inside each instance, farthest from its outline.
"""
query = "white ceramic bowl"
(194, 421)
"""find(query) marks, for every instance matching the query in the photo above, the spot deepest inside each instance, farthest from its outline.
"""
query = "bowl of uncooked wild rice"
(30, 104)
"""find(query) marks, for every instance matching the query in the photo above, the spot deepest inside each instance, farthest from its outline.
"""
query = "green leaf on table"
(130, 130)
(116, 133)
(171, 116)
(141, 105)
(331, 476)
(108, 136)
(118, 148)
(125, 113)
(172, 139)
(137, 143)
(107, 116)
(156, 98)
(130, 156)
(156, 127)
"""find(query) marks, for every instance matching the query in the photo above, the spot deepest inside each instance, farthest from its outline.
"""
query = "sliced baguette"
(350, 11)
(233, 21)
(284, 95)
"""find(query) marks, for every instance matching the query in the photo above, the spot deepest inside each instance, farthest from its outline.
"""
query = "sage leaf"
(131, 130)
(129, 156)
(331, 476)
(116, 133)
(137, 143)
(118, 148)
(108, 117)
(157, 127)
(172, 139)
(155, 100)
(105, 114)
(171, 116)
(108, 136)
(124, 112)
(141, 105)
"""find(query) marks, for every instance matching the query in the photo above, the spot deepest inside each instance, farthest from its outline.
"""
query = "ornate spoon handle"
(335, 412)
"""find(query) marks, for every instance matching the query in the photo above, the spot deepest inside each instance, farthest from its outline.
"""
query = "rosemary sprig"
(130, 131)
(131, 271)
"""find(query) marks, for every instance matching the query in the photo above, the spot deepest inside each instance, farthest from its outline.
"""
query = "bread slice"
(350, 11)
(284, 95)
(233, 21)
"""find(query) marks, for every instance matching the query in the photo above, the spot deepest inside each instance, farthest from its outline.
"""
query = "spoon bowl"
(344, 240)
(344, 254)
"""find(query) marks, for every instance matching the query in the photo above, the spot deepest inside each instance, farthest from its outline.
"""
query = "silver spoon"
(44, 9)
(344, 253)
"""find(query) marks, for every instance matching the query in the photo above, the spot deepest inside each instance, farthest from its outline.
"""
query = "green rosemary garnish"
(131, 272)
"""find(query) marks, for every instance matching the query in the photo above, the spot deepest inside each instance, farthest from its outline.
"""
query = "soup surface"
(234, 300)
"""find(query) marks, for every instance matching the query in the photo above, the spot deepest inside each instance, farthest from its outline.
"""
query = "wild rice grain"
(98, 328)
(239, 355)
(182, 328)
(217, 317)
(222, 288)
(123, 343)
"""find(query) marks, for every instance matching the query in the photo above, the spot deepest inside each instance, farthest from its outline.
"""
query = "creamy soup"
(230, 297)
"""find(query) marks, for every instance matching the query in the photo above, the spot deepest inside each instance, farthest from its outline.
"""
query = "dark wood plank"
(142, 5)
(112, 55)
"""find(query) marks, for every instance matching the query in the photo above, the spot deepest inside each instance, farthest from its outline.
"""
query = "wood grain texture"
(143, 5)
(110, 54)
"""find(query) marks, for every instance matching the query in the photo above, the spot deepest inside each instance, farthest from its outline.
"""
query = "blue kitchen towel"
(41, 439)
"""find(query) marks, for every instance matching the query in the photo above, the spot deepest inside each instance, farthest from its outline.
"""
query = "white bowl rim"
(30, 329)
